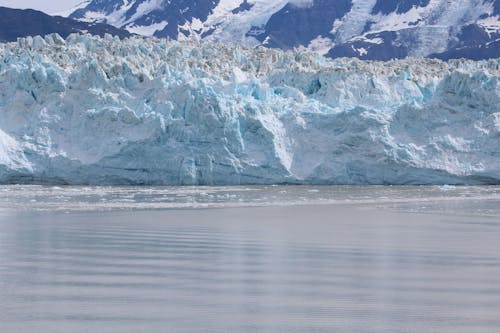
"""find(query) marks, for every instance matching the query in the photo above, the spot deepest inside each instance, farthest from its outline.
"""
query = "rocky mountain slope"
(367, 29)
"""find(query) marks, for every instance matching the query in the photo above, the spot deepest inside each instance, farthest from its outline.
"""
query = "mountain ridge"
(14, 24)
(366, 29)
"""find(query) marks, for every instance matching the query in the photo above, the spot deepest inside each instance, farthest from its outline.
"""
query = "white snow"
(231, 27)
(490, 24)
(433, 25)
(302, 3)
(353, 23)
(118, 17)
(105, 111)
(145, 8)
(321, 45)
(375, 40)
(147, 30)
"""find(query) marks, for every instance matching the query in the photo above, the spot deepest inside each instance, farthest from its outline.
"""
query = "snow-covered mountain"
(149, 111)
(367, 29)
(15, 23)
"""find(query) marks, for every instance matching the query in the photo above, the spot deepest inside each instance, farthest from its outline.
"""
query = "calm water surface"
(348, 259)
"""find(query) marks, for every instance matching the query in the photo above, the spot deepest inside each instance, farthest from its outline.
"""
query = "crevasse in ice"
(90, 110)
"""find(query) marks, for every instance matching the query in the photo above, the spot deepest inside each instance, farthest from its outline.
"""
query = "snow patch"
(321, 45)
(146, 30)
(226, 26)
(490, 24)
(302, 3)
(354, 22)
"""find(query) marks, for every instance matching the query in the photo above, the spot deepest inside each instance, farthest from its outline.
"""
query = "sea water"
(249, 259)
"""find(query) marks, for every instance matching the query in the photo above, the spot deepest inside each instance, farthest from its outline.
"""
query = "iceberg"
(91, 110)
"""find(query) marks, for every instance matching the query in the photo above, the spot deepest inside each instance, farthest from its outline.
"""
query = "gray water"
(250, 259)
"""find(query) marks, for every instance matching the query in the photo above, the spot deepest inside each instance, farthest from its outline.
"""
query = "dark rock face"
(15, 23)
(398, 6)
(293, 26)
(496, 7)
(244, 6)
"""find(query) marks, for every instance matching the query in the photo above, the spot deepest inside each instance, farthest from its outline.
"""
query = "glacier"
(91, 110)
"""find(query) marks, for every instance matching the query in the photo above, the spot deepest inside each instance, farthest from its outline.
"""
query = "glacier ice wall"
(90, 110)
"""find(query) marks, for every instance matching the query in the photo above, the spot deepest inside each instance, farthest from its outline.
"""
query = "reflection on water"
(261, 269)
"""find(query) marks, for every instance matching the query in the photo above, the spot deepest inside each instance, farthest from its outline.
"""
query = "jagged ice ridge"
(90, 110)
